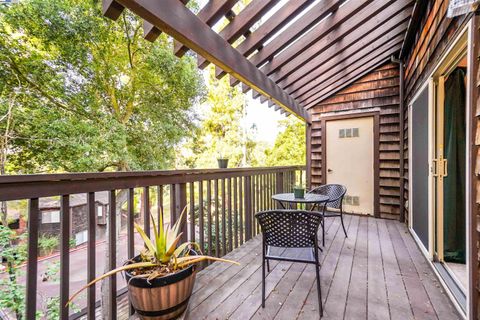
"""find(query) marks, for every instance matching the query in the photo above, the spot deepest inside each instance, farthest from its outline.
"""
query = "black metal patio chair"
(335, 192)
(290, 235)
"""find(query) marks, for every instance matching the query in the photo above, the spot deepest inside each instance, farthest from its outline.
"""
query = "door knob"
(329, 170)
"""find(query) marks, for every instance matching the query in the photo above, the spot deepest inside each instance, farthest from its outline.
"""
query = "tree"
(220, 132)
(89, 94)
(289, 148)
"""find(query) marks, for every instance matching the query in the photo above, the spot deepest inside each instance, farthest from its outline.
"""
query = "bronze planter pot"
(161, 298)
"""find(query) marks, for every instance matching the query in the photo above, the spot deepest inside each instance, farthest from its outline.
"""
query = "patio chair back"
(289, 228)
(334, 191)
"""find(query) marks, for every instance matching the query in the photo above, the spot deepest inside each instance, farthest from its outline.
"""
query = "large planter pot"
(299, 193)
(161, 298)
(222, 163)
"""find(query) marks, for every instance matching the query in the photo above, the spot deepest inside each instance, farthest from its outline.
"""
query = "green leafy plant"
(47, 244)
(162, 256)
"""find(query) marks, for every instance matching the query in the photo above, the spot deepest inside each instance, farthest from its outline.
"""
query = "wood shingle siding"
(378, 90)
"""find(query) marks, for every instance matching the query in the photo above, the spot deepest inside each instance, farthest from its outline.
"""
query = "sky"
(265, 118)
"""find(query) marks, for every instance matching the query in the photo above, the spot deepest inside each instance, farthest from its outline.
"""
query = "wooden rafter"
(315, 14)
(363, 55)
(210, 14)
(172, 17)
(322, 72)
(356, 12)
(352, 42)
(269, 28)
(362, 24)
(242, 23)
(350, 75)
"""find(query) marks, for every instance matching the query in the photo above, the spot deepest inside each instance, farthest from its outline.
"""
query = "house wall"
(377, 91)
(435, 34)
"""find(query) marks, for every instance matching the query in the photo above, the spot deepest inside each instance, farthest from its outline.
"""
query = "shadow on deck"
(376, 273)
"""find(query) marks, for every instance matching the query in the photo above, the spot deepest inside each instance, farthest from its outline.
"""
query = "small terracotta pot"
(161, 298)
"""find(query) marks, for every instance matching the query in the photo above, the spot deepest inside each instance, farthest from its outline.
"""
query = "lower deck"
(376, 273)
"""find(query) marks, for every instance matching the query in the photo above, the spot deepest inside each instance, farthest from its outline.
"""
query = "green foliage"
(12, 295)
(289, 148)
(220, 134)
(90, 94)
(47, 244)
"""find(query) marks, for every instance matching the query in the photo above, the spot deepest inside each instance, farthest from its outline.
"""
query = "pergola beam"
(172, 17)
(242, 23)
(210, 14)
(150, 32)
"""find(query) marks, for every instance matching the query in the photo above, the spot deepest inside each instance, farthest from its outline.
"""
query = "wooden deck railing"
(221, 207)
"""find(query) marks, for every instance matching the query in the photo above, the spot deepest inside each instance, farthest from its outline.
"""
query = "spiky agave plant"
(161, 256)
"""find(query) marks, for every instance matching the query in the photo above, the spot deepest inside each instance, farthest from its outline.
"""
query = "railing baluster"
(279, 186)
(180, 204)
(130, 234)
(92, 225)
(112, 220)
(146, 210)
(235, 210)
(240, 207)
(224, 218)
(217, 222)
(209, 216)
(200, 215)
(229, 210)
(31, 294)
(192, 212)
(160, 204)
(64, 256)
(172, 204)
(254, 205)
(248, 207)
(264, 192)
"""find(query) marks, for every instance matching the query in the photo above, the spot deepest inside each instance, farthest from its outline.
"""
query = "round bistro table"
(309, 198)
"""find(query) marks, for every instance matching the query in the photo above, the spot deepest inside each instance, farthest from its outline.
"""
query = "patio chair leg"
(263, 282)
(323, 233)
(319, 289)
(343, 226)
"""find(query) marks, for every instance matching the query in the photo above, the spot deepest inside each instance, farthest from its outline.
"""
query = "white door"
(349, 161)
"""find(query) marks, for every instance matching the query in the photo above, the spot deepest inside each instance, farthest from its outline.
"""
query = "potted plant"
(160, 279)
(222, 162)
(298, 192)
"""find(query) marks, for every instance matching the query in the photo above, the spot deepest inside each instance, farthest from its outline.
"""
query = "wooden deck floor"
(376, 273)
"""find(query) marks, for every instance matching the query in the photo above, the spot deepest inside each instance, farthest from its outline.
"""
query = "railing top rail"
(16, 187)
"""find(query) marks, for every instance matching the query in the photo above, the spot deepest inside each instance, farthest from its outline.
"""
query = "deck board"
(376, 273)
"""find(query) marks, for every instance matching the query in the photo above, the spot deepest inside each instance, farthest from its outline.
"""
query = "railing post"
(279, 186)
(112, 242)
(130, 234)
(92, 224)
(31, 294)
(248, 207)
(64, 256)
(180, 203)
